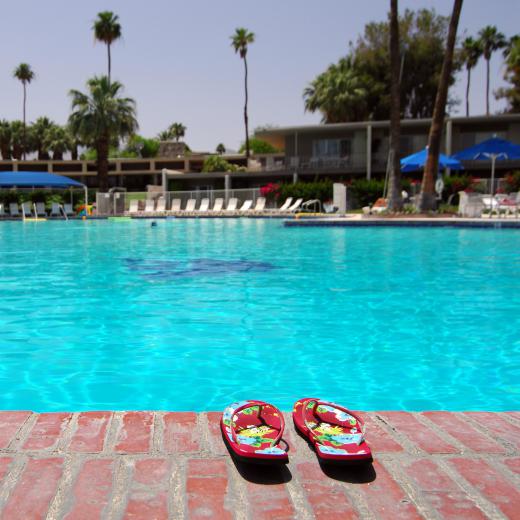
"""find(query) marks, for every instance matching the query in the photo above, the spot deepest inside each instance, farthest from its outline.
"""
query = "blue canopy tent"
(26, 179)
(494, 149)
(417, 161)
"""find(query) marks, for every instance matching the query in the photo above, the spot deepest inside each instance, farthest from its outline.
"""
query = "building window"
(331, 148)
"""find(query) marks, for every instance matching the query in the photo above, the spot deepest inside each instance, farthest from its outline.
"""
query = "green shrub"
(321, 190)
(364, 192)
(258, 146)
(216, 163)
(512, 182)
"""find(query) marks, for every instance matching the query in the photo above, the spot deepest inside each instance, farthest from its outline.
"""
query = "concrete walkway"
(155, 465)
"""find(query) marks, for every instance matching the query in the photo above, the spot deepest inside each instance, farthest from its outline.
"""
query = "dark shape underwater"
(171, 269)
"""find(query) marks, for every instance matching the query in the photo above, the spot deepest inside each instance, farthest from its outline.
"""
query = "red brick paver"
(155, 465)
(90, 434)
(491, 484)
(92, 489)
(135, 435)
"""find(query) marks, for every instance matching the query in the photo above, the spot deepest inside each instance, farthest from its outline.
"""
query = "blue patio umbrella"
(417, 161)
(494, 149)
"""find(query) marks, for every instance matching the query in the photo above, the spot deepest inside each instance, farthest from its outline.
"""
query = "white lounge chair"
(232, 204)
(295, 206)
(134, 206)
(149, 206)
(218, 205)
(2, 212)
(191, 205)
(246, 206)
(176, 205)
(204, 206)
(161, 205)
(69, 210)
(260, 204)
(40, 209)
(14, 210)
(55, 210)
(27, 209)
(285, 206)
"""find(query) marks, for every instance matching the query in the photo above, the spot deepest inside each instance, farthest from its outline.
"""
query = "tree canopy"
(357, 87)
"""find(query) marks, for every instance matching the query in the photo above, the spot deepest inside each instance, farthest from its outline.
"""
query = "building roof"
(500, 118)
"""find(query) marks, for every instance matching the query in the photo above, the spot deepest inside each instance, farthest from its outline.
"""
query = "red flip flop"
(336, 433)
(253, 431)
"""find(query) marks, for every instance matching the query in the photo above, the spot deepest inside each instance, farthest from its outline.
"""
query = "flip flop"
(336, 433)
(253, 430)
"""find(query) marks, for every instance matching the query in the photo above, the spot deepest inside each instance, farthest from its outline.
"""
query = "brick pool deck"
(155, 465)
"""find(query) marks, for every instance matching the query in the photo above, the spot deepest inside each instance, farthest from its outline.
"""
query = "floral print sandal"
(253, 431)
(336, 433)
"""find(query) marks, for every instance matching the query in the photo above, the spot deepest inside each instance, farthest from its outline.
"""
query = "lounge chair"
(204, 206)
(161, 205)
(69, 210)
(191, 205)
(2, 212)
(260, 204)
(246, 206)
(149, 206)
(232, 204)
(296, 206)
(134, 206)
(40, 209)
(27, 209)
(176, 205)
(56, 210)
(218, 205)
(285, 206)
(14, 210)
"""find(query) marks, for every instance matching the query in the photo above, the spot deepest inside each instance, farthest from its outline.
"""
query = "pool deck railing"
(175, 465)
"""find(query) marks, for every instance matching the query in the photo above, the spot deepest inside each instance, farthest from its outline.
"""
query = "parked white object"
(161, 204)
(285, 206)
(232, 204)
(68, 210)
(295, 206)
(260, 204)
(204, 205)
(191, 205)
(26, 209)
(246, 206)
(55, 210)
(40, 209)
(134, 206)
(470, 205)
(176, 205)
(149, 206)
(14, 211)
(218, 205)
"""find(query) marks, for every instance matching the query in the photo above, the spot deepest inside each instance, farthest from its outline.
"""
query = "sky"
(176, 61)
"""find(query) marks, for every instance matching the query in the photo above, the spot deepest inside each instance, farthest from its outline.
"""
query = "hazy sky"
(176, 61)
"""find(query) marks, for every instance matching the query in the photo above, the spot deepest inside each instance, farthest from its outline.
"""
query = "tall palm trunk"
(109, 62)
(395, 201)
(487, 86)
(427, 199)
(246, 120)
(102, 163)
(24, 139)
(467, 91)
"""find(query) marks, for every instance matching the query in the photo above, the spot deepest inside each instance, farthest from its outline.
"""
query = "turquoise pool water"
(195, 314)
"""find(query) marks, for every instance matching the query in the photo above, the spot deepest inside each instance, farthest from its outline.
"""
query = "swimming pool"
(194, 314)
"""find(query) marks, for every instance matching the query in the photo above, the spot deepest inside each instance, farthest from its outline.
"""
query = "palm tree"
(5, 139)
(176, 131)
(101, 117)
(240, 41)
(107, 29)
(221, 148)
(58, 139)
(39, 130)
(17, 139)
(395, 200)
(490, 40)
(25, 74)
(164, 135)
(471, 53)
(427, 200)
